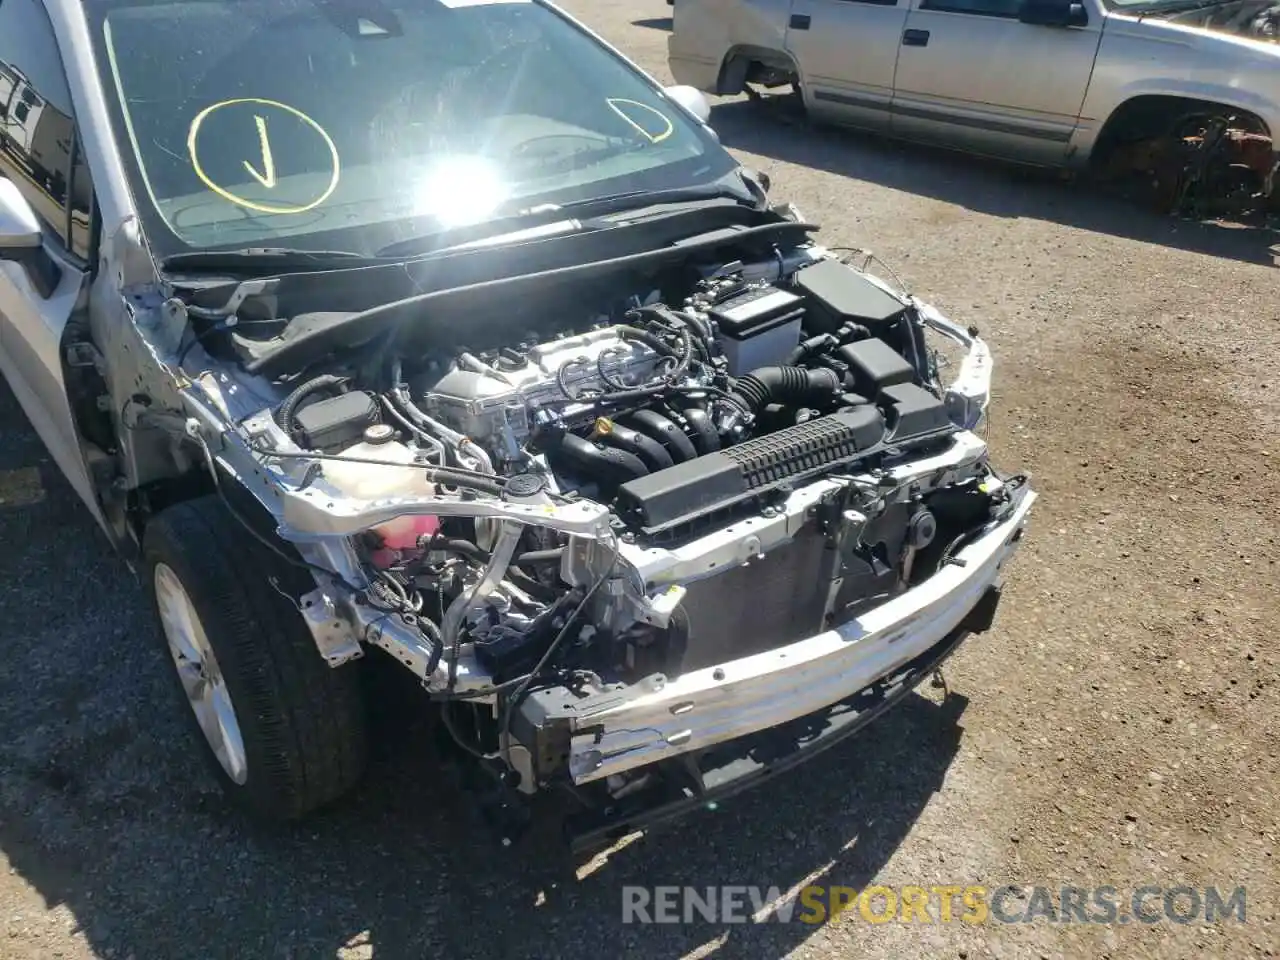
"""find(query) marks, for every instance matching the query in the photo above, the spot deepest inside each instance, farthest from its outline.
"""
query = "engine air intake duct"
(678, 494)
(792, 386)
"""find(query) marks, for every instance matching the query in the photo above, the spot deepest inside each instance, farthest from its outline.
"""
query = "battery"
(757, 327)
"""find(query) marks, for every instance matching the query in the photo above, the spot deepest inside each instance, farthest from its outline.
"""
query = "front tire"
(285, 732)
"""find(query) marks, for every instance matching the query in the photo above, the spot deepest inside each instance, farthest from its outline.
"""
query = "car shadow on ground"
(112, 819)
(654, 23)
(981, 185)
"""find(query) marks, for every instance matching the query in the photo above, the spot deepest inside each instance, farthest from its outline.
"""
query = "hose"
(423, 438)
(822, 342)
(463, 548)
(449, 435)
(460, 442)
(286, 410)
(792, 386)
(683, 356)
(701, 336)
(540, 556)
(703, 326)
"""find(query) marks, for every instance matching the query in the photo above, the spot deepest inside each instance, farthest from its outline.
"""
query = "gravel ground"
(1119, 726)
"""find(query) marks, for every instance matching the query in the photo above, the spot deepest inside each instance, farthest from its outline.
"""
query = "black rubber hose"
(788, 386)
(686, 356)
(702, 430)
(459, 478)
(463, 548)
(286, 410)
(663, 429)
(609, 464)
(823, 341)
(703, 326)
(700, 336)
(653, 453)
(539, 556)
(683, 355)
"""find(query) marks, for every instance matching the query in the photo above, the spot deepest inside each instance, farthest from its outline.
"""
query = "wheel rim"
(202, 679)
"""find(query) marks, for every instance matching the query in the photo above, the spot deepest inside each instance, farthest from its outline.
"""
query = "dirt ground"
(1119, 726)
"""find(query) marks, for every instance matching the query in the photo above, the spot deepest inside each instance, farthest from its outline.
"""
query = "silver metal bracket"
(332, 634)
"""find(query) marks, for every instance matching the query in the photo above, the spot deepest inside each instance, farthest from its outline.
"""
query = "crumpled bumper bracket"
(709, 779)
(707, 707)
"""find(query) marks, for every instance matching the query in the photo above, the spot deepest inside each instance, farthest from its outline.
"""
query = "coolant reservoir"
(385, 478)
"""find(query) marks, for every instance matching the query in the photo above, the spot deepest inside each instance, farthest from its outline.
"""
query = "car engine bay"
(735, 460)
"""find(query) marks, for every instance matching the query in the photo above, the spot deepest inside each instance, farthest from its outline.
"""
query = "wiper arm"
(595, 207)
(636, 199)
(256, 259)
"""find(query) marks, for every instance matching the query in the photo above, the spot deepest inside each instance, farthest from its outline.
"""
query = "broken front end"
(616, 543)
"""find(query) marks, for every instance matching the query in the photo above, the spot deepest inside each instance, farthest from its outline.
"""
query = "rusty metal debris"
(1207, 166)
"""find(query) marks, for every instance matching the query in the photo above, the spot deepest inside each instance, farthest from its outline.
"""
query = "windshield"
(351, 124)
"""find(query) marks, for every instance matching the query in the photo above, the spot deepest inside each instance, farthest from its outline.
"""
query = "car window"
(37, 130)
(982, 8)
(385, 117)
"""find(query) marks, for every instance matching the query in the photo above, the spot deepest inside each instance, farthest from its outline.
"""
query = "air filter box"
(835, 294)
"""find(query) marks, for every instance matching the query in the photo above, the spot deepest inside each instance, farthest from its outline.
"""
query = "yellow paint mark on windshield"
(624, 108)
(268, 176)
(266, 173)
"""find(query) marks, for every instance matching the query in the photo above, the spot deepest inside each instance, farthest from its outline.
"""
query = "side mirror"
(692, 100)
(22, 240)
(1053, 13)
(20, 232)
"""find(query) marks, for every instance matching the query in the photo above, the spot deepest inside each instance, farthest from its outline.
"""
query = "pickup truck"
(1150, 86)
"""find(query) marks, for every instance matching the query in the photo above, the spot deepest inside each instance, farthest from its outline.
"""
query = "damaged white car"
(437, 330)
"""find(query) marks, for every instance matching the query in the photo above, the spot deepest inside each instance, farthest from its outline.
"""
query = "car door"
(847, 51)
(972, 75)
(39, 153)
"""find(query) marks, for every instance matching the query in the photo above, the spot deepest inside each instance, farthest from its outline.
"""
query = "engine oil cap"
(523, 485)
(378, 433)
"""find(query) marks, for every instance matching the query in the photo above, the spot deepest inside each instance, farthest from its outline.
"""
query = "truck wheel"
(285, 732)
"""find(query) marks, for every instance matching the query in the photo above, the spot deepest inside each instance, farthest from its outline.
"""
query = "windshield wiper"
(636, 199)
(595, 207)
(273, 259)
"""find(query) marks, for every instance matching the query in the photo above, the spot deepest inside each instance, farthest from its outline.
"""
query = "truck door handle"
(800, 21)
(915, 38)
